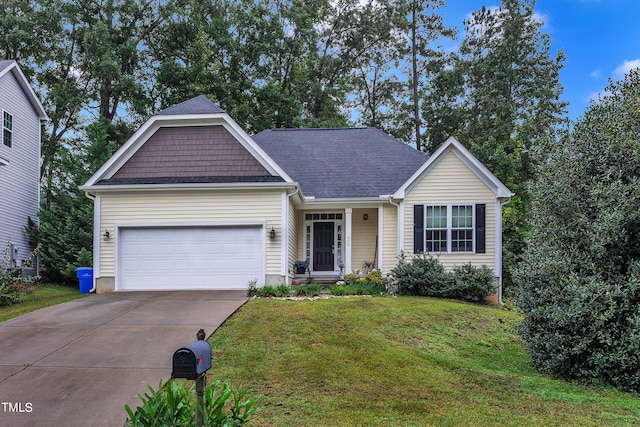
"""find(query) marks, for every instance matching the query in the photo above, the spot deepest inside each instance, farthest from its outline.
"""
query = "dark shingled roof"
(198, 105)
(342, 163)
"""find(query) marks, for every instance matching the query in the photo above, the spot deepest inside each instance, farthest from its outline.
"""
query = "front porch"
(336, 242)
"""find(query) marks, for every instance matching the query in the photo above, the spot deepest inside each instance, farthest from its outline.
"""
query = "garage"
(181, 258)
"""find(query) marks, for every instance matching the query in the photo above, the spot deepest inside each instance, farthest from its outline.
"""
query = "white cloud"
(626, 66)
(595, 73)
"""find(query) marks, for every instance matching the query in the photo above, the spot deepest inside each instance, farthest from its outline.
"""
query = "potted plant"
(301, 266)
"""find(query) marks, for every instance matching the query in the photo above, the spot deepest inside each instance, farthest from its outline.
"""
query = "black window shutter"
(418, 229)
(481, 239)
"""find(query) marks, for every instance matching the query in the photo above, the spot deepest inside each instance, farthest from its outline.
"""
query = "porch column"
(380, 237)
(348, 214)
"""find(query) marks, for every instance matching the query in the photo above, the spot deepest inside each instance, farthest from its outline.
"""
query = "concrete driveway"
(78, 363)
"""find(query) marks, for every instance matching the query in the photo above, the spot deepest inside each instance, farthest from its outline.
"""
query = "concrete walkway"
(78, 363)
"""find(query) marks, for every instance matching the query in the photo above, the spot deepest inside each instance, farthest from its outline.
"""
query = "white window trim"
(6, 128)
(449, 207)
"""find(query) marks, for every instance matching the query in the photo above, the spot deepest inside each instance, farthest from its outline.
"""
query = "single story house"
(191, 201)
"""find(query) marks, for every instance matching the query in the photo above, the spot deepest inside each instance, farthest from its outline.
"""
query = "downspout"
(96, 241)
(286, 227)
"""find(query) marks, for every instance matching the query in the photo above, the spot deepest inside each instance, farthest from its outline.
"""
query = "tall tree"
(579, 279)
(506, 93)
(424, 28)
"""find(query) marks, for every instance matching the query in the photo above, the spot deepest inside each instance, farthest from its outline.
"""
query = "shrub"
(14, 282)
(424, 275)
(172, 404)
(311, 290)
(470, 283)
(280, 291)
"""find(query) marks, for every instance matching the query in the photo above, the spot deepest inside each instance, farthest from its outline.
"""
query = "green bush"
(172, 404)
(280, 291)
(470, 283)
(578, 283)
(311, 290)
(424, 275)
(15, 282)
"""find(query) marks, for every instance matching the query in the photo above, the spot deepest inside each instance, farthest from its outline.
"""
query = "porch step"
(323, 281)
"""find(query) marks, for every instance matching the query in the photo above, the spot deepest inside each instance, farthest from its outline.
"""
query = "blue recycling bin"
(85, 274)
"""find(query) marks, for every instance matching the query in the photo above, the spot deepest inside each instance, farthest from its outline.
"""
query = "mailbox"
(192, 361)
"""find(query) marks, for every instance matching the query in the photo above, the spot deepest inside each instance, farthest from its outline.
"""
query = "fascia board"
(100, 189)
(146, 131)
(26, 87)
(451, 145)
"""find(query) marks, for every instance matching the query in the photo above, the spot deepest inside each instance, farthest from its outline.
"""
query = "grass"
(45, 295)
(398, 362)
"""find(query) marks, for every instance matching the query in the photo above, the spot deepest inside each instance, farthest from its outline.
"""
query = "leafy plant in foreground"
(172, 404)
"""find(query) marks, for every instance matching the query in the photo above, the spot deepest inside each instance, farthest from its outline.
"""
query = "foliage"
(252, 288)
(579, 279)
(310, 290)
(172, 404)
(15, 283)
(424, 275)
(371, 284)
(325, 364)
(501, 98)
(65, 232)
(268, 291)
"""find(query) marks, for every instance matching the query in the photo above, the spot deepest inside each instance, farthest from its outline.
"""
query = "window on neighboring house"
(449, 228)
(7, 129)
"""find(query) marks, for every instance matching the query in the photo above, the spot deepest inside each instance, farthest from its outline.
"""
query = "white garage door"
(189, 258)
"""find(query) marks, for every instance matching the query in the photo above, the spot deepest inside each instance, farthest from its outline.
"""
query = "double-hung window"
(449, 228)
(7, 129)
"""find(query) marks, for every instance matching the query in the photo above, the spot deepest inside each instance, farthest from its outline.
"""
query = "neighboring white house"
(21, 118)
(191, 201)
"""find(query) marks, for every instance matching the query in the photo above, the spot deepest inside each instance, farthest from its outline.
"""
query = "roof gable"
(11, 66)
(342, 162)
(193, 151)
(194, 138)
(452, 145)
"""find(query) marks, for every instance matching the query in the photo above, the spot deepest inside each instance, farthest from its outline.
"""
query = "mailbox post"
(192, 363)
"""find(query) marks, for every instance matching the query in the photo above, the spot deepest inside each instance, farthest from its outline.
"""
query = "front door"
(323, 246)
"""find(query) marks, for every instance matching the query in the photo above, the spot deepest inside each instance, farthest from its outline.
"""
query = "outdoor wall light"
(272, 233)
(106, 235)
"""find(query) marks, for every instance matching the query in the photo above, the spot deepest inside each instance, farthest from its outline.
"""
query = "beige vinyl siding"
(190, 208)
(363, 237)
(390, 240)
(293, 236)
(451, 182)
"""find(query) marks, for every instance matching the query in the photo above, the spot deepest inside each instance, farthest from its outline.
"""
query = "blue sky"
(601, 39)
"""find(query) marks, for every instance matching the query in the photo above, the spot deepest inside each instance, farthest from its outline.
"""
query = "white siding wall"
(450, 181)
(185, 208)
(20, 179)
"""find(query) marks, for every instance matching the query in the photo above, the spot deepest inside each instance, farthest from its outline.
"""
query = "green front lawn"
(45, 295)
(398, 362)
